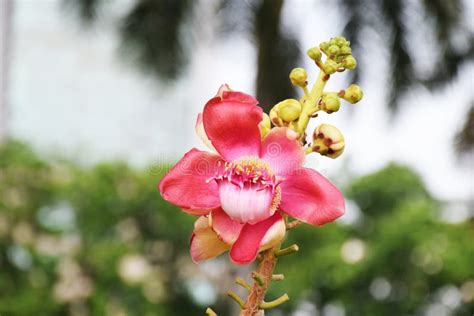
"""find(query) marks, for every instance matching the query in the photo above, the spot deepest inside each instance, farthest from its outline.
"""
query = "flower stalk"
(243, 283)
(293, 224)
(210, 312)
(278, 277)
(257, 293)
(255, 303)
(287, 251)
(310, 103)
(277, 302)
(236, 298)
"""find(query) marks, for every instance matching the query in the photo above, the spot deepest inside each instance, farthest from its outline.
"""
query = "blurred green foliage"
(64, 231)
(396, 259)
(101, 241)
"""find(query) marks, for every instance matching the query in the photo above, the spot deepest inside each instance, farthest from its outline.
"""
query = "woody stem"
(263, 277)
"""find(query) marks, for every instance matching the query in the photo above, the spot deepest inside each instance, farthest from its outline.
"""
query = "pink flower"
(241, 187)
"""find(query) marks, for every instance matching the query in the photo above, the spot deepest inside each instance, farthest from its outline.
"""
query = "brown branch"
(257, 293)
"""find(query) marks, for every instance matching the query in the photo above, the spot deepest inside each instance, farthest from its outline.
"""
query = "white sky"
(70, 93)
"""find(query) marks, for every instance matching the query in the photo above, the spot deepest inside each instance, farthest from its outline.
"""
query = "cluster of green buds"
(330, 57)
(339, 55)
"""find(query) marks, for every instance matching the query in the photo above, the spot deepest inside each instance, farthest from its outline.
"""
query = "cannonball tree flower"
(252, 179)
(241, 188)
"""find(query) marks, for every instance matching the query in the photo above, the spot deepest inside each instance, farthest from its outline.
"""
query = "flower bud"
(330, 103)
(341, 41)
(274, 118)
(330, 66)
(352, 94)
(289, 110)
(264, 125)
(345, 50)
(328, 141)
(333, 50)
(324, 46)
(298, 77)
(314, 53)
(349, 62)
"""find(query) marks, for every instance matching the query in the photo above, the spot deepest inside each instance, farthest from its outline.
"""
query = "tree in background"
(6, 13)
(154, 34)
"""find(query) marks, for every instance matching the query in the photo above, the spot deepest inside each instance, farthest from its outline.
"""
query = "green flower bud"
(330, 103)
(298, 77)
(324, 46)
(333, 50)
(353, 94)
(289, 110)
(350, 62)
(333, 41)
(345, 50)
(314, 53)
(330, 66)
(328, 141)
(264, 125)
(274, 118)
(341, 41)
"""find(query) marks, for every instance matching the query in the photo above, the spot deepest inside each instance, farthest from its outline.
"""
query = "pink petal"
(186, 184)
(310, 197)
(204, 242)
(231, 123)
(246, 248)
(282, 150)
(227, 229)
(230, 95)
(202, 133)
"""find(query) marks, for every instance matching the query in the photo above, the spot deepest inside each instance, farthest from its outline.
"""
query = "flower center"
(249, 190)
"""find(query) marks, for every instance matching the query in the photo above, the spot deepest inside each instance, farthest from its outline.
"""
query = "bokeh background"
(98, 98)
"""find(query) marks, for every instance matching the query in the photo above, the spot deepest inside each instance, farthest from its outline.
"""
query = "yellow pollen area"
(250, 165)
(276, 200)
